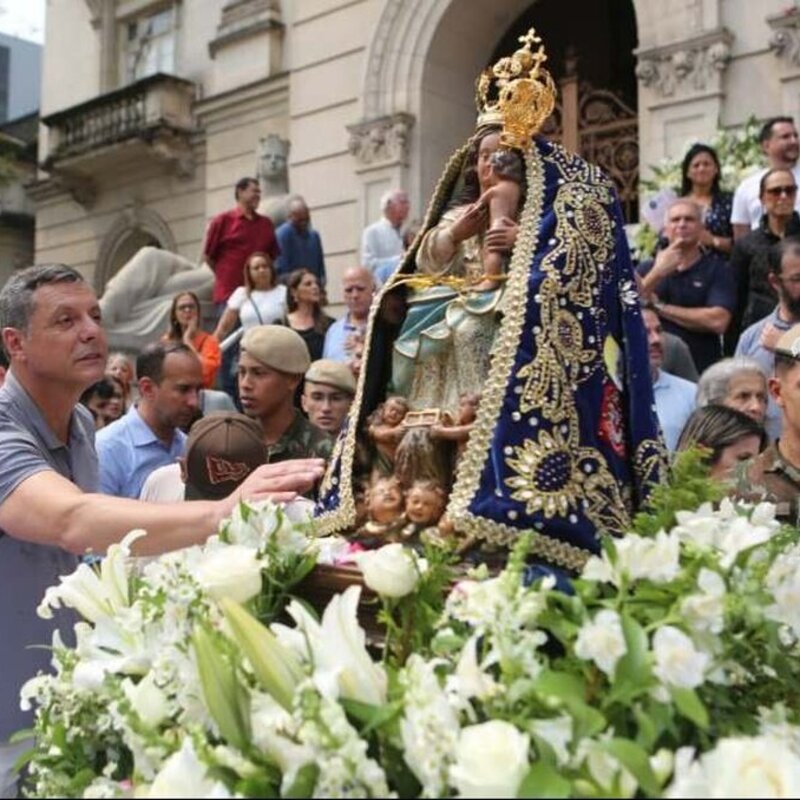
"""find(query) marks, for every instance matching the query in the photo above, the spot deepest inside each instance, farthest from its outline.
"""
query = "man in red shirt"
(235, 235)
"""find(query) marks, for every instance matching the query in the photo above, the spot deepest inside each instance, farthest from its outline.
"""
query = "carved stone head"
(273, 156)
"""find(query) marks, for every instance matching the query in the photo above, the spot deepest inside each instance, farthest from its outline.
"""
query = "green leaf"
(543, 780)
(277, 669)
(635, 759)
(257, 786)
(691, 706)
(571, 691)
(226, 699)
(304, 782)
(371, 717)
(649, 730)
(633, 675)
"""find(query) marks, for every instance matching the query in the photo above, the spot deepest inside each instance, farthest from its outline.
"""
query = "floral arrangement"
(739, 153)
(670, 667)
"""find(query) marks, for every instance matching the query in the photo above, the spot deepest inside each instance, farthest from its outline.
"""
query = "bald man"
(345, 338)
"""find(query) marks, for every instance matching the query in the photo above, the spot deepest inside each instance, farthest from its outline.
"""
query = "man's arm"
(713, 319)
(50, 510)
(211, 243)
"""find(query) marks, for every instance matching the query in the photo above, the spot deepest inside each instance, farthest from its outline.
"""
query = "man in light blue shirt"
(170, 378)
(675, 397)
(758, 341)
(345, 337)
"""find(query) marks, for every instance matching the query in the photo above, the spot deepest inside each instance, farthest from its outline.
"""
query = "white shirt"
(379, 242)
(163, 485)
(747, 208)
(271, 305)
(675, 401)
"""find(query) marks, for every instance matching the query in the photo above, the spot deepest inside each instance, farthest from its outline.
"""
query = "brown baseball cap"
(332, 373)
(278, 347)
(788, 344)
(223, 448)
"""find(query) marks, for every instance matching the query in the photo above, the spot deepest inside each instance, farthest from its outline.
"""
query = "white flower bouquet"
(671, 667)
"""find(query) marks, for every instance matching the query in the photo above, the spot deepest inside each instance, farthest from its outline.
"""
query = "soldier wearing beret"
(328, 393)
(775, 473)
(272, 364)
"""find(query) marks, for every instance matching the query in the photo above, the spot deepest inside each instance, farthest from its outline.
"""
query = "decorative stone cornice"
(785, 38)
(686, 67)
(81, 189)
(381, 142)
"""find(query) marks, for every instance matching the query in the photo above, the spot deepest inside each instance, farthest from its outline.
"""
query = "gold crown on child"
(517, 93)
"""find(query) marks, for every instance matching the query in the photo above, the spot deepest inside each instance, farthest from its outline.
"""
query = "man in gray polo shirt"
(49, 511)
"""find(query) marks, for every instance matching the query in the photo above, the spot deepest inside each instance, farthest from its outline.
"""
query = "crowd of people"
(725, 283)
(250, 406)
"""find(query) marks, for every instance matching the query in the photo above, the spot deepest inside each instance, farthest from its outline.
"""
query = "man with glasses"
(759, 340)
(692, 291)
(780, 144)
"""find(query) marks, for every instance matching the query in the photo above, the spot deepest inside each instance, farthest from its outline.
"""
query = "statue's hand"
(470, 222)
(502, 235)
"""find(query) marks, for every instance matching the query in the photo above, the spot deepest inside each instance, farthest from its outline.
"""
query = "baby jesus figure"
(385, 429)
(503, 200)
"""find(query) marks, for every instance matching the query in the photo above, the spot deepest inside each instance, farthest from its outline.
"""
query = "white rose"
(184, 775)
(678, 662)
(491, 760)
(740, 767)
(599, 568)
(706, 611)
(391, 571)
(233, 571)
(649, 558)
(741, 534)
(602, 641)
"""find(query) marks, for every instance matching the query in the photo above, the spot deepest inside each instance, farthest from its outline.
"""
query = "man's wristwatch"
(658, 305)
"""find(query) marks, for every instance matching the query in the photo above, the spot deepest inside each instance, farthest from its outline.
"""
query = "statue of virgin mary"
(566, 442)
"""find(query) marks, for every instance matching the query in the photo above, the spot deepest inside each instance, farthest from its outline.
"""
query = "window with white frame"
(149, 44)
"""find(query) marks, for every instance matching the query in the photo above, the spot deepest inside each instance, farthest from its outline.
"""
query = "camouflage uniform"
(770, 477)
(300, 440)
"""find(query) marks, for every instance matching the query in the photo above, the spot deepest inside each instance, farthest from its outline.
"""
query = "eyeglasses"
(187, 307)
(776, 191)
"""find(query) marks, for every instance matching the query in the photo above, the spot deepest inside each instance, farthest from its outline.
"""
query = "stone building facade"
(151, 109)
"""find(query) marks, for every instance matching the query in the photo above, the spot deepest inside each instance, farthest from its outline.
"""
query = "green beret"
(278, 347)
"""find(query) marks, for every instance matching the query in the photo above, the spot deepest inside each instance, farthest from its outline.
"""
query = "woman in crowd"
(104, 399)
(731, 436)
(738, 383)
(700, 176)
(184, 326)
(756, 297)
(120, 368)
(260, 301)
(305, 314)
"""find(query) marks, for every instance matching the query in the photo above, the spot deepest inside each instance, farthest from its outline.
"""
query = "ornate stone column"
(381, 148)
(681, 89)
(785, 44)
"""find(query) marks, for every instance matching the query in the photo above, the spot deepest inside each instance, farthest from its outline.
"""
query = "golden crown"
(517, 93)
